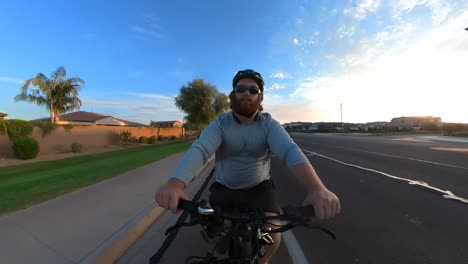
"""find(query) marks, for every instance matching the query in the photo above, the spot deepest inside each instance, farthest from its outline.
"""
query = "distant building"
(355, 127)
(174, 123)
(319, 126)
(92, 119)
(380, 125)
(331, 126)
(2, 115)
(415, 122)
(300, 126)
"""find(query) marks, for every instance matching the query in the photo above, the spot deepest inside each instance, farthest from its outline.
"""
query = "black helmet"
(249, 74)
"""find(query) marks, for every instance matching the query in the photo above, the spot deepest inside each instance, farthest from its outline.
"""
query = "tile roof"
(83, 116)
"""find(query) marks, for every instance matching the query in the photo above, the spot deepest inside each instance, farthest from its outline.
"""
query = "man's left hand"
(326, 204)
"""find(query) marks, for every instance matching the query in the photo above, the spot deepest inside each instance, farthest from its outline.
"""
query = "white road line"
(294, 248)
(401, 157)
(445, 194)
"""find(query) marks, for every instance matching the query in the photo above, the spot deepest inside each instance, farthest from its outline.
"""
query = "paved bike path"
(91, 225)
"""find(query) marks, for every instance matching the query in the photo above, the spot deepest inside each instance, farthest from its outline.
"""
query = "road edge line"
(294, 249)
(117, 248)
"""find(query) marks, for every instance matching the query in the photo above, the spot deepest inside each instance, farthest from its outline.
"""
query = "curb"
(124, 238)
(119, 247)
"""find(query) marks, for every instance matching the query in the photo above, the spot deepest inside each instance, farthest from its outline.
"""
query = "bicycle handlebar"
(294, 216)
(299, 215)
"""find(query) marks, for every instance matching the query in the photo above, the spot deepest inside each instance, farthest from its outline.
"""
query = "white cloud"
(275, 87)
(147, 31)
(296, 42)
(375, 45)
(406, 5)
(88, 102)
(440, 9)
(154, 96)
(300, 60)
(149, 27)
(399, 31)
(416, 75)
(280, 75)
(149, 107)
(346, 31)
(286, 110)
(363, 7)
(299, 22)
(5, 79)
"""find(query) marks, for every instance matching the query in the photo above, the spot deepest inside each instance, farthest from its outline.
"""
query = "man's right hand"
(168, 196)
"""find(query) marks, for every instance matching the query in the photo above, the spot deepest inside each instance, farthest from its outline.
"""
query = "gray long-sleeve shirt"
(242, 151)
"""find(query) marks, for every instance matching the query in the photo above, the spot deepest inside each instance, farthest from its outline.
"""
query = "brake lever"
(323, 229)
(281, 229)
(170, 229)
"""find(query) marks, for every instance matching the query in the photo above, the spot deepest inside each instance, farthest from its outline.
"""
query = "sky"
(322, 61)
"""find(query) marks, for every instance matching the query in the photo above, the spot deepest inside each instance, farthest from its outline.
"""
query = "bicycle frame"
(244, 235)
(241, 240)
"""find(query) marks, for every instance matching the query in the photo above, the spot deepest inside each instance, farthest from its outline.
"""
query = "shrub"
(68, 128)
(143, 140)
(160, 137)
(152, 140)
(76, 147)
(25, 147)
(173, 137)
(3, 129)
(18, 128)
(460, 134)
(45, 126)
(125, 136)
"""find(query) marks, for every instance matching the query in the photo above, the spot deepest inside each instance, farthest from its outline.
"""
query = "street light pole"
(341, 108)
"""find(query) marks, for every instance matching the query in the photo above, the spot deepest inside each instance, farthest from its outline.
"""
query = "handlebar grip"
(186, 205)
(299, 213)
(307, 210)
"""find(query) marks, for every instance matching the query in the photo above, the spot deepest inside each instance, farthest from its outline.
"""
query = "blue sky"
(380, 59)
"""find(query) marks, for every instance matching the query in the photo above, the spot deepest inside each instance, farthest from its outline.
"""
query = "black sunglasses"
(252, 89)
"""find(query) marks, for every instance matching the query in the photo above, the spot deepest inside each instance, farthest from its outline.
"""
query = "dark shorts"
(260, 196)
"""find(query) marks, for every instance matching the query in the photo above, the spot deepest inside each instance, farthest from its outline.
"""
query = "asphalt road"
(383, 219)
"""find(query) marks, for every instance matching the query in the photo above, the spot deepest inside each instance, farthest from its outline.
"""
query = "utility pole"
(341, 108)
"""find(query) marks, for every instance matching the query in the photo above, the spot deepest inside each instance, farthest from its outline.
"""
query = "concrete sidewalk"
(92, 225)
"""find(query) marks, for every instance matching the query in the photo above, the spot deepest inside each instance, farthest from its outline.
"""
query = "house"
(356, 127)
(166, 124)
(297, 126)
(372, 126)
(2, 115)
(415, 122)
(318, 126)
(92, 119)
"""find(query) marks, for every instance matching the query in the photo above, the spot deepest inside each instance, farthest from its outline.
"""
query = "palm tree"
(59, 95)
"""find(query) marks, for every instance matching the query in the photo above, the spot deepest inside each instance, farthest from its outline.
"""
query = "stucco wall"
(59, 140)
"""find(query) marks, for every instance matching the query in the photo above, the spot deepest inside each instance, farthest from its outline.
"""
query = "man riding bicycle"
(243, 140)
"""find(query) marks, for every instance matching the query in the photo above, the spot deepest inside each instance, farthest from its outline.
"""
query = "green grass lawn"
(22, 186)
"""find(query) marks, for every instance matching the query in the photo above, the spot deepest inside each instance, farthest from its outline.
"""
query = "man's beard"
(245, 106)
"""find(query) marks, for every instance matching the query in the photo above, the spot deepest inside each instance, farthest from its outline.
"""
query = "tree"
(59, 95)
(153, 123)
(202, 103)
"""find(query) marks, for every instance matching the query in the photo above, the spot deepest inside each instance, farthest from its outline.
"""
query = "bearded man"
(243, 140)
